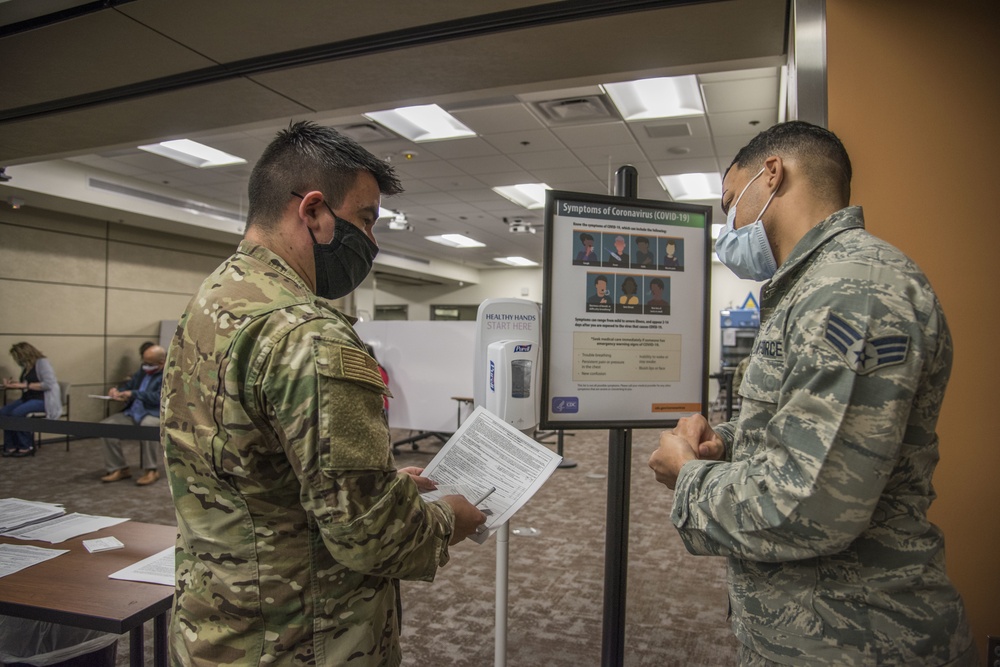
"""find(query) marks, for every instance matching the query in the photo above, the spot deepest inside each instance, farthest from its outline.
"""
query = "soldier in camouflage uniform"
(817, 492)
(293, 525)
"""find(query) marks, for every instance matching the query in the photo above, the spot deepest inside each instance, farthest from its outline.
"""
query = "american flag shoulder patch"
(862, 353)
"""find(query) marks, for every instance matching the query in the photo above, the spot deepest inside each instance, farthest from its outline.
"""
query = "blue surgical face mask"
(745, 250)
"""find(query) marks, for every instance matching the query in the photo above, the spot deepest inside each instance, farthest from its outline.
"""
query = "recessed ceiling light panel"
(661, 97)
(456, 241)
(192, 153)
(529, 195)
(692, 187)
(516, 261)
(426, 122)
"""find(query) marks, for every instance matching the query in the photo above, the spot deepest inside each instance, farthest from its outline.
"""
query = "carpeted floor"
(676, 603)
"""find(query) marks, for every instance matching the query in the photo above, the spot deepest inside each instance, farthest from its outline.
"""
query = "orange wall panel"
(913, 94)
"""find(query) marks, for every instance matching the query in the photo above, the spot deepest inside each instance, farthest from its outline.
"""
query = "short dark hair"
(145, 346)
(642, 239)
(656, 281)
(825, 160)
(586, 237)
(599, 279)
(307, 156)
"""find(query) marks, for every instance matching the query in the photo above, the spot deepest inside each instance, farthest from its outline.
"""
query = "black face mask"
(344, 262)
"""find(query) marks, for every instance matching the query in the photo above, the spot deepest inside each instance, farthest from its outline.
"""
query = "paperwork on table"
(47, 522)
(63, 528)
(16, 557)
(156, 569)
(488, 453)
(15, 513)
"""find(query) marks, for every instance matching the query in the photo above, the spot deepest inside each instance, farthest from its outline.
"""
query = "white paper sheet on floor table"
(64, 527)
(16, 557)
(157, 569)
(488, 452)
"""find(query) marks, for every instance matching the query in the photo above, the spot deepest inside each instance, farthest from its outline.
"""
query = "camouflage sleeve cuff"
(686, 514)
(444, 521)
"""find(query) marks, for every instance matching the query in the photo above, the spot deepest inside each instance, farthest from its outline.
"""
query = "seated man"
(142, 394)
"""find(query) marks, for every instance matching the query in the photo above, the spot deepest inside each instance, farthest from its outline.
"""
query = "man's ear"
(309, 209)
(774, 172)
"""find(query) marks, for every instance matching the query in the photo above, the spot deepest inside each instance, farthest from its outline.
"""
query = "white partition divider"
(429, 363)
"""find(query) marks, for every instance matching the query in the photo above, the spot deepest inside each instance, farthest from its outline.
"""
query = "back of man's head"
(823, 158)
(304, 157)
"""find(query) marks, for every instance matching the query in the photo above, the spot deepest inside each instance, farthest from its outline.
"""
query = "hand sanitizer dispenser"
(512, 382)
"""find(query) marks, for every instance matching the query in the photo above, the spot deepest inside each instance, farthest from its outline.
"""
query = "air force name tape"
(862, 354)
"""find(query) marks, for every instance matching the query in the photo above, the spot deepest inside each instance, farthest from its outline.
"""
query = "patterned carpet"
(676, 603)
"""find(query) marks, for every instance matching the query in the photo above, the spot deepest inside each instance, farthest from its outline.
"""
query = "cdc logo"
(522, 348)
(565, 404)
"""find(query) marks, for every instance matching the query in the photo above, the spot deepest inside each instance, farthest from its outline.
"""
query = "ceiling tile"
(458, 148)
(485, 165)
(498, 119)
(527, 141)
(742, 123)
(586, 136)
(706, 165)
(741, 95)
(546, 160)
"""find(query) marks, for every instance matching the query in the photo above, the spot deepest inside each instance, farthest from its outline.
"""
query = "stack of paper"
(493, 465)
(15, 513)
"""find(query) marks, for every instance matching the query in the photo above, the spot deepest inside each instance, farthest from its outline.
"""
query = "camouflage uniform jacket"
(821, 506)
(293, 525)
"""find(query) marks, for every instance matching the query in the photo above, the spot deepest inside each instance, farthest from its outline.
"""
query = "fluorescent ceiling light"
(192, 153)
(663, 97)
(456, 241)
(516, 261)
(427, 122)
(528, 195)
(692, 187)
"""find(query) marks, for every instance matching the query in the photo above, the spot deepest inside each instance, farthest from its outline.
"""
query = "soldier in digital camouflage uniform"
(293, 525)
(817, 492)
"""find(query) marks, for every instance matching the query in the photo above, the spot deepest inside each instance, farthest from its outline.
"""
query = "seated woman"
(40, 392)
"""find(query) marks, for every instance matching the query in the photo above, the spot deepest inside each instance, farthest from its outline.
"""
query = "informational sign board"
(625, 319)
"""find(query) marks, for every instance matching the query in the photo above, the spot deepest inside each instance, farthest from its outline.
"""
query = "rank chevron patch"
(864, 355)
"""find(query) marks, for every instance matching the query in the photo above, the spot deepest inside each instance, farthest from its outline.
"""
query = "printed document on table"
(16, 557)
(98, 396)
(157, 569)
(15, 512)
(63, 527)
(486, 452)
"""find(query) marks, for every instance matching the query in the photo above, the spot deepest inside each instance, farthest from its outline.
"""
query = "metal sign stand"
(619, 484)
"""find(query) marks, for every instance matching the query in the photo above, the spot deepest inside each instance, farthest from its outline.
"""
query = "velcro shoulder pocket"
(353, 434)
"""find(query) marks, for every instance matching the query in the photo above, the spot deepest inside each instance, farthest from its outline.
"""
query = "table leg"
(135, 649)
(160, 640)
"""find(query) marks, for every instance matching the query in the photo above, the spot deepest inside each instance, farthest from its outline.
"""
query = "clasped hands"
(691, 439)
(9, 383)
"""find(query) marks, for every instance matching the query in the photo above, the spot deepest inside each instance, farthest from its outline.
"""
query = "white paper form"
(156, 569)
(488, 452)
(15, 512)
(64, 527)
(99, 397)
(16, 557)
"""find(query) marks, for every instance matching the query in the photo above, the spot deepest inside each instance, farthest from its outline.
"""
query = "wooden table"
(74, 589)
